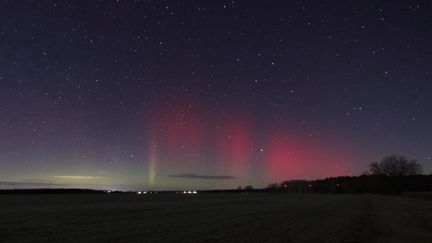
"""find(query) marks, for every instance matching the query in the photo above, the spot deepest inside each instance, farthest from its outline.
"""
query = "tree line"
(393, 174)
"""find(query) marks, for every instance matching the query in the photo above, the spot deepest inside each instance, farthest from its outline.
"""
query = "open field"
(223, 217)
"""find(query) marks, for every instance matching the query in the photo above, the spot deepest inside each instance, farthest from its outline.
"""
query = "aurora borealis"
(209, 94)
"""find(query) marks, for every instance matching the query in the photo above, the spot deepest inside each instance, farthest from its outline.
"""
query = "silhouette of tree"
(375, 168)
(296, 185)
(248, 188)
(394, 165)
(273, 187)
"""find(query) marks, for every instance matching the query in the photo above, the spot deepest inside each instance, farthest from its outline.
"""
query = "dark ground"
(221, 217)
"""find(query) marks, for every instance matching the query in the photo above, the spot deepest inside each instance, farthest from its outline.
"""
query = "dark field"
(222, 217)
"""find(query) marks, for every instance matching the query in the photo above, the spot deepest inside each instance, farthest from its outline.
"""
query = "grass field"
(222, 217)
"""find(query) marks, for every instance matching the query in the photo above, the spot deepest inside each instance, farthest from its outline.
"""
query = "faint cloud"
(77, 177)
(44, 181)
(29, 183)
(55, 182)
(198, 176)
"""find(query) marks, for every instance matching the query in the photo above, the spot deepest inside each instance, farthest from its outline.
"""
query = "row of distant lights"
(184, 192)
(190, 192)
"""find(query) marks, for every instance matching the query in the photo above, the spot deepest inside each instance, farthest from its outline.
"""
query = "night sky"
(210, 94)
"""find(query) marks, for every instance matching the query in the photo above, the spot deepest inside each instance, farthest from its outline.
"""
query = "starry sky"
(158, 95)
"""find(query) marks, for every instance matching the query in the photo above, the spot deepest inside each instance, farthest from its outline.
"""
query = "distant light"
(145, 192)
(194, 192)
(138, 193)
(108, 191)
(189, 192)
(184, 192)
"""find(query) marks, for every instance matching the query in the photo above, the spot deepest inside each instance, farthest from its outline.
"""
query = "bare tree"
(248, 188)
(374, 168)
(273, 187)
(395, 165)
